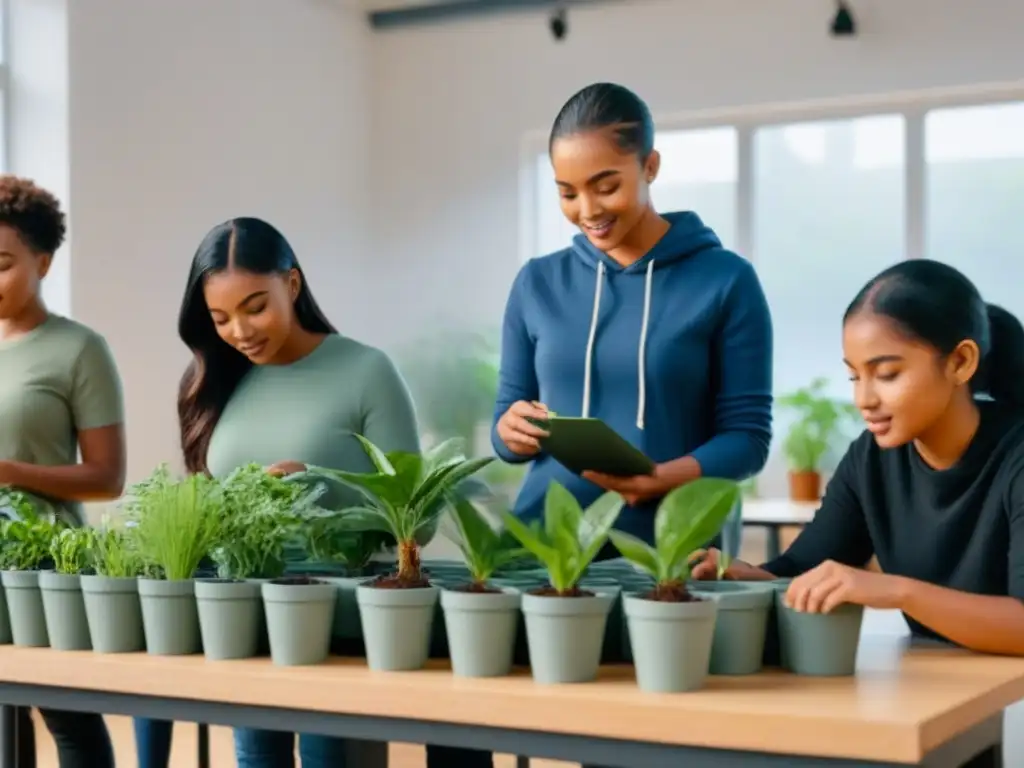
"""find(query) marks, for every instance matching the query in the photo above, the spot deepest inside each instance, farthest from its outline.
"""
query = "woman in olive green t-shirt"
(60, 394)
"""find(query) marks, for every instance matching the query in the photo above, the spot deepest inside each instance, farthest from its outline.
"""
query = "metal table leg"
(203, 740)
(8, 737)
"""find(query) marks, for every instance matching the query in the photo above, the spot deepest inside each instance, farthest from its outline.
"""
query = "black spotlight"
(559, 24)
(843, 24)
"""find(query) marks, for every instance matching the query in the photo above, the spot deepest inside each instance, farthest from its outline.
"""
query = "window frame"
(912, 106)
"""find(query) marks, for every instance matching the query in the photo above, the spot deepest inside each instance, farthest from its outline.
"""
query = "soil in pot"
(740, 626)
(819, 644)
(670, 637)
(229, 617)
(64, 608)
(805, 486)
(170, 617)
(114, 613)
(397, 618)
(25, 608)
(300, 612)
(481, 624)
(565, 633)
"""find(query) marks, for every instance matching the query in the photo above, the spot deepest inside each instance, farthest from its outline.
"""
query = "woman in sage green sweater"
(273, 382)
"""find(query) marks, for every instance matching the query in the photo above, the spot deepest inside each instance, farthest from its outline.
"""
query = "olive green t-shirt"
(57, 380)
(311, 411)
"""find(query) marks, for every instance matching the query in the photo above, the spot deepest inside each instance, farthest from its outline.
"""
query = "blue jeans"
(276, 749)
(153, 742)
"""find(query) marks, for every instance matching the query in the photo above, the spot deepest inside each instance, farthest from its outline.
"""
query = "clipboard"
(589, 444)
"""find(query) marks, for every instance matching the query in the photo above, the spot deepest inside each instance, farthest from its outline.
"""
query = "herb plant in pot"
(63, 603)
(670, 628)
(111, 594)
(566, 625)
(176, 525)
(405, 498)
(481, 620)
(25, 552)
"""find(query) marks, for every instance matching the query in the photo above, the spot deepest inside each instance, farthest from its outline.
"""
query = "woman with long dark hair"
(272, 382)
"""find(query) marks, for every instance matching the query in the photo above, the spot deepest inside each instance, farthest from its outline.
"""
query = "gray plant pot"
(740, 628)
(481, 629)
(565, 636)
(671, 642)
(25, 608)
(819, 644)
(114, 613)
(347, 625)
(64, 609)
(169, 617)
(299, 618)
(397, 625)
(229, 618)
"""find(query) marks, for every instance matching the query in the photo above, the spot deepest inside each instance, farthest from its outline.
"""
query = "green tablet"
(582, 445)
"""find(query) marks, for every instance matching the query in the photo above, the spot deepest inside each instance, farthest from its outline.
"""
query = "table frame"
(982, 743)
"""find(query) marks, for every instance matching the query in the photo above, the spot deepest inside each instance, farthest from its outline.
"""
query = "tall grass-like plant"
(176, 523)
(687, 518)
(406, 496)
(484, 548)
(570, 536)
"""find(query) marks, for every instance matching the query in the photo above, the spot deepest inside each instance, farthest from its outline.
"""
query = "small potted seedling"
(111, 593)
(63, 604)
(260, 517)
(176, 524)
(405, 498)
(670, 628)
(26, 552)
(565, 625)
(481, 619)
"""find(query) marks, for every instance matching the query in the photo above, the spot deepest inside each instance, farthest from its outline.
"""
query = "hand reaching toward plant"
(831, 584)
(517, 432)
(285, 468)
(706, 568)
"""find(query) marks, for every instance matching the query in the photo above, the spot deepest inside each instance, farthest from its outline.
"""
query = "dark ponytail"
(1002, 369)
(935, 303)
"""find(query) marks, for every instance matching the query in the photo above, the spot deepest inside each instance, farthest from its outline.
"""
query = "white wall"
(182, 114)
(452, 102)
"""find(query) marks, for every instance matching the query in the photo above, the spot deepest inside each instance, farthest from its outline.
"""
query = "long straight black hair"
(217, 368)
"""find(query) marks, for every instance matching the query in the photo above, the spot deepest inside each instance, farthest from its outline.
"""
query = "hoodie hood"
(687, 235)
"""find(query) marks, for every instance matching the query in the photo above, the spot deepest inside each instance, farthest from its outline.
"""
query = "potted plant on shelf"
(176, 525)
(565, 625)
(820, 420)
(24, 553)
(671, 628)
(111, 593)
(481, 619)
(405, 498)
(61, 588)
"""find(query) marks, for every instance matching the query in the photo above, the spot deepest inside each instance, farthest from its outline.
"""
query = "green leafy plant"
(260, 516)
(26, 541)
(570, 537)
(485, 549)
(177, 522)
(687, 518)
(406, 497)
(819, 422)
(71, 550)
(330, 539)
(114, 553)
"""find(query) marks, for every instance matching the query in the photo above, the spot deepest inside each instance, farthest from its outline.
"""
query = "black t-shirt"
(961, 527)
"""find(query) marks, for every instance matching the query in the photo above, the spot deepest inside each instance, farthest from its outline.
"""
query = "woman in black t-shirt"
(935, 487)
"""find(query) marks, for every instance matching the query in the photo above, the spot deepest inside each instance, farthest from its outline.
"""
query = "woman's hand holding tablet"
(518, 428)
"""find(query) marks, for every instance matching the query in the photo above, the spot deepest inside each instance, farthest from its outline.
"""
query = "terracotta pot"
(804, 486)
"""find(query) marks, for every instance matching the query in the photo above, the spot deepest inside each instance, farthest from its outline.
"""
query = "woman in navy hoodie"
(645, 322)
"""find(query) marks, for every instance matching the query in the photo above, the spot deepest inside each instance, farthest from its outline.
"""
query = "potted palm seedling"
(670, 628)
(404, 498)
(481, 619)
(176, 525)
(111, 592)
(61, 588)
(565, 625)
(24, 553)
(259, 519)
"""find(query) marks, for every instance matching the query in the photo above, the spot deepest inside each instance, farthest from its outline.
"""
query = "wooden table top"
(902, 703)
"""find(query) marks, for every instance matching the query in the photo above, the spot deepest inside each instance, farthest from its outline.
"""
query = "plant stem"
(409, 562)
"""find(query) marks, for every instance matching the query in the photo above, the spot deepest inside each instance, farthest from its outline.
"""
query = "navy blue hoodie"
(674, 352)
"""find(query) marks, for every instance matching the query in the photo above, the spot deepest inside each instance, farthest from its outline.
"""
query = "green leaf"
(377, 456)
(637, 552)
(688, 517)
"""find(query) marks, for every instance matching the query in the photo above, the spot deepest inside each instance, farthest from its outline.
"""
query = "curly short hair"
(33, 212)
